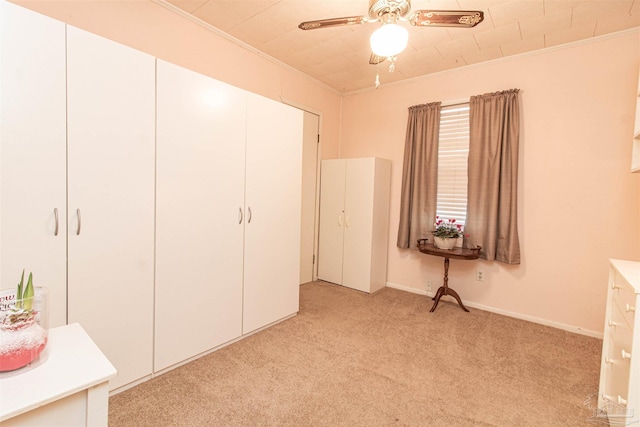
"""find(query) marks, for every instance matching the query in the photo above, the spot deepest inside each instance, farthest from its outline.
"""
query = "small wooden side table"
(455, 253)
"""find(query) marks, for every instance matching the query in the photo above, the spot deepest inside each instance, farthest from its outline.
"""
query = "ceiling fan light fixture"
(389, 40)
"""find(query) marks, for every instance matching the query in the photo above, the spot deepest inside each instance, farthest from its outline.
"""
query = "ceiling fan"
(390, 38)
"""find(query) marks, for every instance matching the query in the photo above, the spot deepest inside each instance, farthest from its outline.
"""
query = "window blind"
(453, 151)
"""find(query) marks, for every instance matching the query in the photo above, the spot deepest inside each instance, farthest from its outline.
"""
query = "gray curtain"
(419, 175)
(494, 132)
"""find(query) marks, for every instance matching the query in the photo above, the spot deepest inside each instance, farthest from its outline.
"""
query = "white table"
(69, 387)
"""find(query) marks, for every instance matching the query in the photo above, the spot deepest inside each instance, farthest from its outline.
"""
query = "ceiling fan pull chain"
(392, 65)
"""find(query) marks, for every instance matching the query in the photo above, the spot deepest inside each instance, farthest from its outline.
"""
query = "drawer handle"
(625, 355)
(630, 308)
(612, 323)
(621, 400)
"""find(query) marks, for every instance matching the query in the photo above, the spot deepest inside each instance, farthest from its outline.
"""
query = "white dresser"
(69, 386)
(619, 394)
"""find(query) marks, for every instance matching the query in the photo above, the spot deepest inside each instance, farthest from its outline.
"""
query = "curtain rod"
(456, 102)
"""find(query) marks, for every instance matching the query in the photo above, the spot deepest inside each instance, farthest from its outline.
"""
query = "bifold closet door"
(332, 220)
(200, 214)
(111, 146)
(273, 204)
(33, 160)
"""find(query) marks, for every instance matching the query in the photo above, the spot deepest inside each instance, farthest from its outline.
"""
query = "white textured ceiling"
(339, 57)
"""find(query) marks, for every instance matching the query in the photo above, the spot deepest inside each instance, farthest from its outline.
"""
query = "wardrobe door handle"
(340, 220)
(240, 216)
(79, 221)
(250, 216)
(55, 215)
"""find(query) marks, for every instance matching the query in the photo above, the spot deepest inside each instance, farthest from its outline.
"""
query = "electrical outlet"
(480, 275)
(429, 284)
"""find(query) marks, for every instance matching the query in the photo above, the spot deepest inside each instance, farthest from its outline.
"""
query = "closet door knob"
(612, 323)
(614, 286)
(625, 355)
(630, 308)
(79, 221)
(622, 400)
(55, 215)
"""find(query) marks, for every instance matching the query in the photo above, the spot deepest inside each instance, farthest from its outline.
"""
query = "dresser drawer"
(618, 369)
(624, 297)
(619, 328)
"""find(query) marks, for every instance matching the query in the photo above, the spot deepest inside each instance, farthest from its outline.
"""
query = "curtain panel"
(494, 132)
(419, 175)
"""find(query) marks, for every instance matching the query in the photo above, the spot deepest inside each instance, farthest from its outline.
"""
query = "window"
(453, 151)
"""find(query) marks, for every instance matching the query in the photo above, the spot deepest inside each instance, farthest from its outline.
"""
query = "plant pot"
(23, 333)
(445, 242)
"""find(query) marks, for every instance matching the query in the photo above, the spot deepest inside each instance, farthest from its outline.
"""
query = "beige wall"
(151, 28)
(578, 202)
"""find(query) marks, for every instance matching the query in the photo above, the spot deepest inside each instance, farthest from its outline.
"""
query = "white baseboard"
(533, 319)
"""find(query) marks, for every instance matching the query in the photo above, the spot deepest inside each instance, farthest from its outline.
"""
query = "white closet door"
(111, 130)
(359, 191)
(273, 201)
(332, 216)
(33, 145)
(200, 214)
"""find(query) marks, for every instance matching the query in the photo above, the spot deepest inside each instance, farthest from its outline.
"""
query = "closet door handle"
(240, 216)
(55, 215)
(250, 216)
(346, 221)
(79, 221)
(340, 220)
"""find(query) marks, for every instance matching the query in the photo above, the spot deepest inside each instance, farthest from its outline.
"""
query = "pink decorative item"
(23, 327)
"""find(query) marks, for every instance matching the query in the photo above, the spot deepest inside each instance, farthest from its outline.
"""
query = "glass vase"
(24, 328)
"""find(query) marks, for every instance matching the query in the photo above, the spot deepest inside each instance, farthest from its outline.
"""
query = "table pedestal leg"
(445, 290)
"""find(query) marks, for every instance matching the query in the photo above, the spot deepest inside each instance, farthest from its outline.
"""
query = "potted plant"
(23, 325)
(446, 233)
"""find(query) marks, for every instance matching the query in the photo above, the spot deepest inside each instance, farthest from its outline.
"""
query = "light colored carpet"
(353, 359)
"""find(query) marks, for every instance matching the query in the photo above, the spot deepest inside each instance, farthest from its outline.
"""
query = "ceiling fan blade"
(334, 22)
(446, 18)
(375, 59)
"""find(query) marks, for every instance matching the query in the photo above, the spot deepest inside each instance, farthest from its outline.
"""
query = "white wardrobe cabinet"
(228, 213)
(161, 258)
(200, 213)
(111, 146)
(77, 174)
(354, 222)
(273, 205)
(32, 162)
(110, 199)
